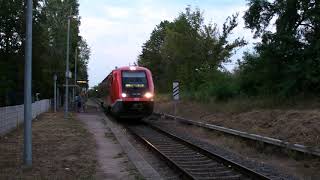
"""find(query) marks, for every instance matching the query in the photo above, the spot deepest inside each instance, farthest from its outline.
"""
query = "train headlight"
(123, 95)
(148, 95)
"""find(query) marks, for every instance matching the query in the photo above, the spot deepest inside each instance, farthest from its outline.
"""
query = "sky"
(116, 29)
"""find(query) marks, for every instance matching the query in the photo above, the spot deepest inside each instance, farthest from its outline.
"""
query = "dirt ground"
(293, 125)
(62, 149)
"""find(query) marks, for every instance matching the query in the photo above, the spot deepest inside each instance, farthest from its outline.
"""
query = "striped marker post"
(175, 94)
(175, 91)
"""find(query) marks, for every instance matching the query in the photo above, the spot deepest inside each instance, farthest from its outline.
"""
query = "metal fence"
(12, 116)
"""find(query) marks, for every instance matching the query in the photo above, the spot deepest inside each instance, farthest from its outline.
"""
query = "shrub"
(221, 87)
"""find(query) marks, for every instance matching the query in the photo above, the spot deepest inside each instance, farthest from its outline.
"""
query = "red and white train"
(130, 92)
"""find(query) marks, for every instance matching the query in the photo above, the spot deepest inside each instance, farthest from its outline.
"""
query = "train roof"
(131, 68)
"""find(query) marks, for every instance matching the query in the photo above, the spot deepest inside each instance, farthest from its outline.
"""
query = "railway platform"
(116, 156)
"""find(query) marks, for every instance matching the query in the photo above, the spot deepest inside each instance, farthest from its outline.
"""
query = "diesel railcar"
(130, 92)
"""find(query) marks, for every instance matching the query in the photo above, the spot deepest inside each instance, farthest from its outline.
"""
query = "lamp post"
(75, 73)
(67, 70)
(27, 151)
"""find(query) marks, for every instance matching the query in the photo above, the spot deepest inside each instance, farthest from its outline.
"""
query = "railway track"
(307, 150)
(192, 161)
(195, 161)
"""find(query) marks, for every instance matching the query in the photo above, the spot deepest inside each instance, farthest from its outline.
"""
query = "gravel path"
(112, 161)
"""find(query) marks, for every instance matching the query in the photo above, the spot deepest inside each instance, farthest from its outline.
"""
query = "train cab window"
(134, 83)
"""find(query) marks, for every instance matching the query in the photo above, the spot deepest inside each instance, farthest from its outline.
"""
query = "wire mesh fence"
(12, 116)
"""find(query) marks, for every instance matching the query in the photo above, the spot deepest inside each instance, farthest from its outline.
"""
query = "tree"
(289, 57)
(188, 50)
(83, 59)
(151, 55)
(49, 47)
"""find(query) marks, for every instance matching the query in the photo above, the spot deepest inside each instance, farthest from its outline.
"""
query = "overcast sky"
(116, 29)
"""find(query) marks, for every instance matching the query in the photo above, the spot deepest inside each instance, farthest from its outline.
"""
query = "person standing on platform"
(79, 103)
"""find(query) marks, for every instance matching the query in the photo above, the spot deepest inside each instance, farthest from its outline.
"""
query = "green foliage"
(220, 87)
(250, 82)
(189, 51)
(49, 47)
(224, 87)
(287, 61)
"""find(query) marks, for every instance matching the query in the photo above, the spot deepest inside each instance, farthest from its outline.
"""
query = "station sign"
(69, 74)
(82, 82)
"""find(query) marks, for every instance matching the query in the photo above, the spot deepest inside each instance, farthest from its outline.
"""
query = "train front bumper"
(132, 108)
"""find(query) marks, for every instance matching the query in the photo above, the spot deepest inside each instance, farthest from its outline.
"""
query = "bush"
(223, 91)
(221, 87)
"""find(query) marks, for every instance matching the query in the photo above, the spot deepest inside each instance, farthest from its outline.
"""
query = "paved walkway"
(117, 157)
(112, 161)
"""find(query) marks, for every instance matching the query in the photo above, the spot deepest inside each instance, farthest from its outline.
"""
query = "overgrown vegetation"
(285, 63)
(49, 47)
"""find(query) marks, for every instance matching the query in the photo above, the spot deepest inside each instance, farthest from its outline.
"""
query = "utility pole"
(66, 115)
(55, 92)
(27, 153)
(75, 73)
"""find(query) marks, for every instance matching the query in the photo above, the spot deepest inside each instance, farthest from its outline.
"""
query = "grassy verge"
(290, 120)
(245, 104)
(62, 149)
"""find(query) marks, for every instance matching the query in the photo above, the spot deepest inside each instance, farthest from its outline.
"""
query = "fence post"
(17, 119)
(6, 119)
(1, 120)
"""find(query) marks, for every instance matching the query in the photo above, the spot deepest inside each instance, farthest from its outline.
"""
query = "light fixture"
(148, 95)
(132, 68)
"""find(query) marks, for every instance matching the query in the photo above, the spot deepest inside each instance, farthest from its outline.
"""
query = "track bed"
(192, 161)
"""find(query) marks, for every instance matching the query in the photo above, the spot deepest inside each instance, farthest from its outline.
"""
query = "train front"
(137, 92)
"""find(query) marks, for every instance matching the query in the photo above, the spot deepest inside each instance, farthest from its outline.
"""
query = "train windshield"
(134, 79)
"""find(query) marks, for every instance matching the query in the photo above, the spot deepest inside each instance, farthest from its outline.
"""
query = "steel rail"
(255, 137)
(249, 172)
(215, 157)
(169, 161)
